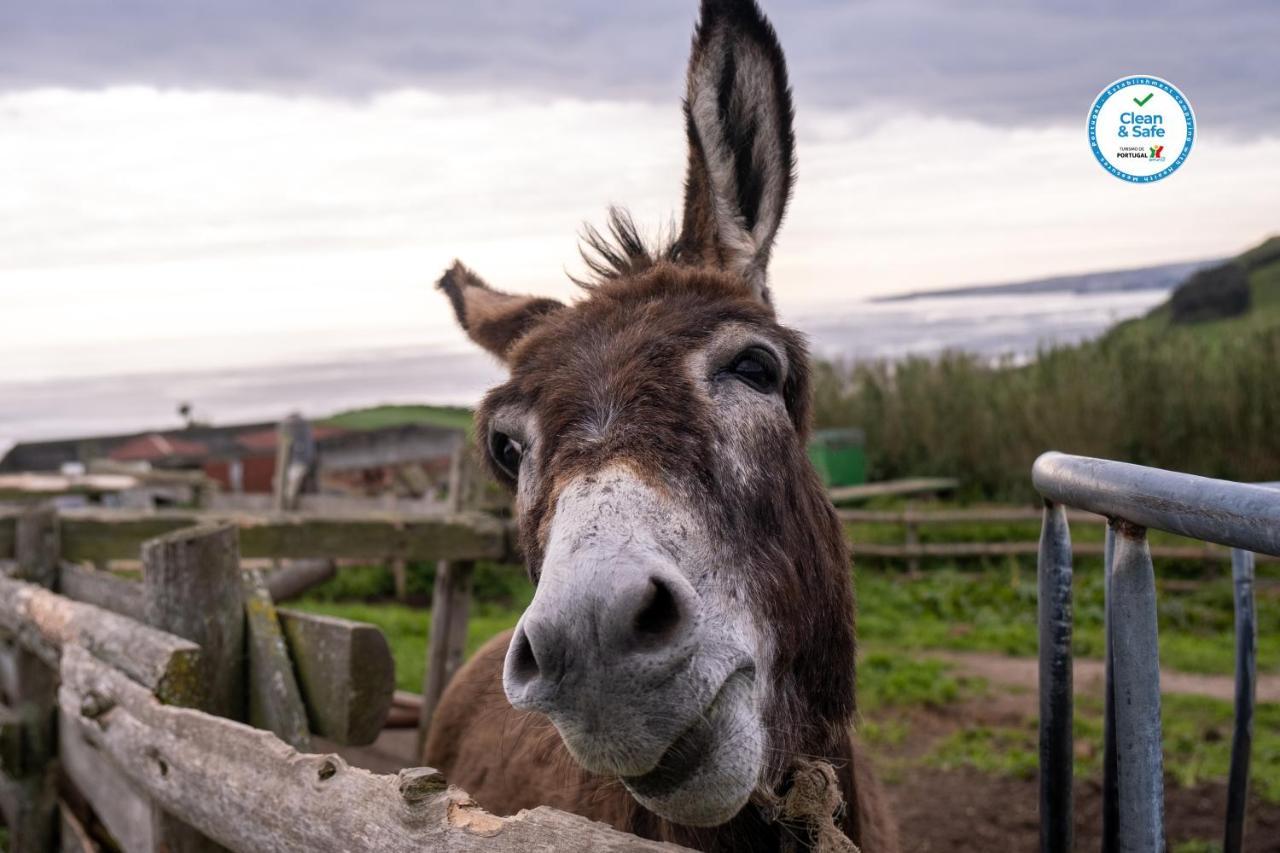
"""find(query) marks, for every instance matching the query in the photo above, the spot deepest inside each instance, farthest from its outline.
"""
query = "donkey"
(691, 637)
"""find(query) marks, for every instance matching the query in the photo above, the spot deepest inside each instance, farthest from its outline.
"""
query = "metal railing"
(1135, 498)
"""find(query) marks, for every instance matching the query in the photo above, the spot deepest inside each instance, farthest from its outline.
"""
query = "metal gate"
(1134, 499)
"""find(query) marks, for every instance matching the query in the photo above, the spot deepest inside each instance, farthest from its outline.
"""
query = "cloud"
(133, 212)
(1021, 62)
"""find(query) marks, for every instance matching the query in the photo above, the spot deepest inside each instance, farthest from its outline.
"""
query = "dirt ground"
(964, 810)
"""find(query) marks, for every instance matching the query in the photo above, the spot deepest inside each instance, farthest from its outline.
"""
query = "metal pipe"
(1110, 811)
(1236, 514)
(1246, 677)
(1136, 668)
(1054, 613)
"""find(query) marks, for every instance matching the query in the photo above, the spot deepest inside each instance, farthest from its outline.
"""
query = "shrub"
(1211, 294)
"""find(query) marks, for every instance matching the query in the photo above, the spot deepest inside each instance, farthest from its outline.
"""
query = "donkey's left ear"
(493, 319)
(741, 146)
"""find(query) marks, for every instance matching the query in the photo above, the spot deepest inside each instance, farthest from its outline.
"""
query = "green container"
(840, 456)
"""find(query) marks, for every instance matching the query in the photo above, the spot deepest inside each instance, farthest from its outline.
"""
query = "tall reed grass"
(1207, 405)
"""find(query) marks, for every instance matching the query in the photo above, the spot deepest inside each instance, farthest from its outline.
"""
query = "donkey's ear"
(493, 319)
(741, 147)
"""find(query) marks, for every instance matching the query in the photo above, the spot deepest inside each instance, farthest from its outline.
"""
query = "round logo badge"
(1141, 129)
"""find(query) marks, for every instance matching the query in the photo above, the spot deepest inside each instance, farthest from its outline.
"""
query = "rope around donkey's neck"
(813, 803)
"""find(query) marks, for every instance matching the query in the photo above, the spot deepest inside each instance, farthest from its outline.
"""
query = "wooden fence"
(176, 712)
(912, 550)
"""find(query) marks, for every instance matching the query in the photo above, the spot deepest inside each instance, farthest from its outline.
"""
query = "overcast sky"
(251, 178)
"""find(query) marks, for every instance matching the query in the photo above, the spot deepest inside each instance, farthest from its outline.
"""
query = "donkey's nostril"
(659, 616)
(523, 662)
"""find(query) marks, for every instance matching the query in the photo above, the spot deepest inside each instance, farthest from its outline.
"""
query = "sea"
(1006, 321)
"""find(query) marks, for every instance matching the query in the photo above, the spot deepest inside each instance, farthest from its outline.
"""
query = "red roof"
(148, 448)
(264, 440)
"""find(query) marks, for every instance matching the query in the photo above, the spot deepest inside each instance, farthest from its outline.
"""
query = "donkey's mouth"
(700, 747)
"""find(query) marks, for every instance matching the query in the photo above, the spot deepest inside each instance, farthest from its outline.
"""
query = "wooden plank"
(193, 588)
(8, 533)
(1015, 549)
(298, 576)
(37, 546)
(122, 807)
(400, 579)
(275, 703)
(960, 516)
(32, 781)
(450, 606)
(910, 486)
(94, 535)
(73, 838)
(345, 673)
(450, 609)
(249, 790)
(12, 760)
(40, 486)
(103, 589)
(344, 670)
(45, 622)
(35, 688)
(280, 479)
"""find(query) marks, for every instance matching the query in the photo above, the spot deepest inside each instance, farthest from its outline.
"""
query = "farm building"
(405, 459)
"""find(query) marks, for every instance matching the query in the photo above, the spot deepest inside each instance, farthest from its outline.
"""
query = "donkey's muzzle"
(614, 647)
(630, 630)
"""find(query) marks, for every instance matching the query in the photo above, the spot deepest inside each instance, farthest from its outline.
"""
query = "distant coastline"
(1160, 277)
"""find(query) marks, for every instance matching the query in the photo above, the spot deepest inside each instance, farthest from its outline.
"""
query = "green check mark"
(1143, 102)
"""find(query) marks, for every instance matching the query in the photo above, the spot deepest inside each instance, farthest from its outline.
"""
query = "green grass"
(387, 416)
(1264, 312)
(1197, 745)
(1197, 846)
(1004, 751)
(894, 680)
(995, 611)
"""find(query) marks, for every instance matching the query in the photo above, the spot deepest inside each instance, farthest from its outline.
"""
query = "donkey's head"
(692, 629)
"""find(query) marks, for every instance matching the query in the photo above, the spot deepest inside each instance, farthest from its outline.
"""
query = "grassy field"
(1264, 284)
(455, 417)
(995, 611)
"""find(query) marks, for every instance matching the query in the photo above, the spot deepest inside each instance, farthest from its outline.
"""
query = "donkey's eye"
(506, 453)
(757, 367)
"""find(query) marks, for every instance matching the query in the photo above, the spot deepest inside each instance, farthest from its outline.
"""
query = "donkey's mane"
(621, 251)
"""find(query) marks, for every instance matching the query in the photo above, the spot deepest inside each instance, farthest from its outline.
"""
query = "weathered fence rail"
(160, 676)
(912, 549)
(94, 535)
(1134, 499)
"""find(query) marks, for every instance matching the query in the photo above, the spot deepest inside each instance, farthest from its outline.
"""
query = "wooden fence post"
(275, 702)
(280, 480)
(912, 538)
(193, 589)
(400, 577)
(450, 603)
(31, 793)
